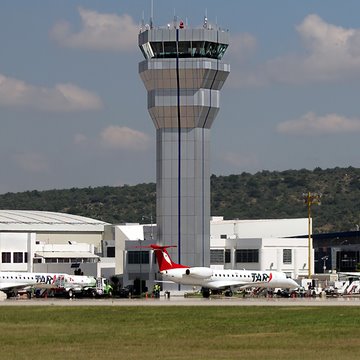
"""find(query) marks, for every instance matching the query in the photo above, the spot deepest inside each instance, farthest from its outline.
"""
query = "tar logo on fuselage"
(42, 279)
(260, 277)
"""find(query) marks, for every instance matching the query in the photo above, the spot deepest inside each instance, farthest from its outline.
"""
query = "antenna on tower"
(175, 20)
(143, 20)
(205, 25)
(151, 14)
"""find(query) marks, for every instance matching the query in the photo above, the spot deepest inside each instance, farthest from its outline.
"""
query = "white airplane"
(12, 282)
(211, 279)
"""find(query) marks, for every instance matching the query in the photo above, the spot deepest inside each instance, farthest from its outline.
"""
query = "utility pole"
(151, 226)
(310, 199)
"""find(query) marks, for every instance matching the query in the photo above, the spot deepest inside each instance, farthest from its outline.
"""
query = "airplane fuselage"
(230, 278)
(17, 279)
(11, 281)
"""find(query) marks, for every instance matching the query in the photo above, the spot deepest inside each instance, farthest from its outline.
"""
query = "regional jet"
(211, 279)
(12, 282)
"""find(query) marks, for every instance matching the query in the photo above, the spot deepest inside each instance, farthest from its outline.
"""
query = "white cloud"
(330, 53)
(117, 137)
(242, 45)
(63, 97)
(242, 48)
(312, 124)
(323, 38)
(31, 162)
(98, 32)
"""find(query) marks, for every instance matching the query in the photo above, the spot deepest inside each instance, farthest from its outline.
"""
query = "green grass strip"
(110, 332)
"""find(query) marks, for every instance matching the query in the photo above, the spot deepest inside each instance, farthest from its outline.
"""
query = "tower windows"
(183, 49)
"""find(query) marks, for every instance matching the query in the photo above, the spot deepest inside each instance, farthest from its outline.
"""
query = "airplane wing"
(14, 286)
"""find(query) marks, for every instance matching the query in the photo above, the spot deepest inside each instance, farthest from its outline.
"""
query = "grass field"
(179, 332)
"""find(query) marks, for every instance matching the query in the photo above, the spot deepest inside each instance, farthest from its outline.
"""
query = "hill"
(266, 194)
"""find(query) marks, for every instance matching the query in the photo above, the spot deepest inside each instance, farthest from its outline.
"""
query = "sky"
(73, 109)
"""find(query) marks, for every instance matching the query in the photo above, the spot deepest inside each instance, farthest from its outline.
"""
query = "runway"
(181, 301)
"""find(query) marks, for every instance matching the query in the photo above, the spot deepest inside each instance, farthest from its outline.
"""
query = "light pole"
(324, 258)
(310, 199)
(140, 262)
(151, 224)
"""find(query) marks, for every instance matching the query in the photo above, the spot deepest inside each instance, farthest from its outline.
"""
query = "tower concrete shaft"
(183, 74)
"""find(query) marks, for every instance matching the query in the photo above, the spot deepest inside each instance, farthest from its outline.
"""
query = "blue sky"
(73, 109)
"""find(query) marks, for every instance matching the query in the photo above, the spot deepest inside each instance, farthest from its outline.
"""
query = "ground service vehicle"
(102, 287)
(80, 286)
(96, 287)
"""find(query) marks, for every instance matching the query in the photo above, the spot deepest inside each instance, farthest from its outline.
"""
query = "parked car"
(126, 291)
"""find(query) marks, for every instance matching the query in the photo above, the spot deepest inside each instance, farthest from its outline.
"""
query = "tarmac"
(182, 301)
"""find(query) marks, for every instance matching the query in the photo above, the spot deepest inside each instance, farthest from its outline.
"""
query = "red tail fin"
(164, 259)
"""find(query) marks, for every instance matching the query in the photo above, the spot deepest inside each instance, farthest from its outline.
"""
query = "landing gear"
(11, 294)
(205, 292)
(229, 293)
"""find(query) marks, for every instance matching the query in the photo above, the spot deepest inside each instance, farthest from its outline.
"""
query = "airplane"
(12, 282)
(215, 280)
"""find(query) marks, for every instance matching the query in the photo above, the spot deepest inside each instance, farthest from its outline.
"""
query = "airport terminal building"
(44, 241)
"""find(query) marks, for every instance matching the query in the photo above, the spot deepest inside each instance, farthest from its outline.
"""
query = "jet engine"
(199, 272)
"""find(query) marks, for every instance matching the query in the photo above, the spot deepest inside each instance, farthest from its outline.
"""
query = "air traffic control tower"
(183, 75)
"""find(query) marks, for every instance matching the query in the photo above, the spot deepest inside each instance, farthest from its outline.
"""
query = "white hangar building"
(43, 241)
